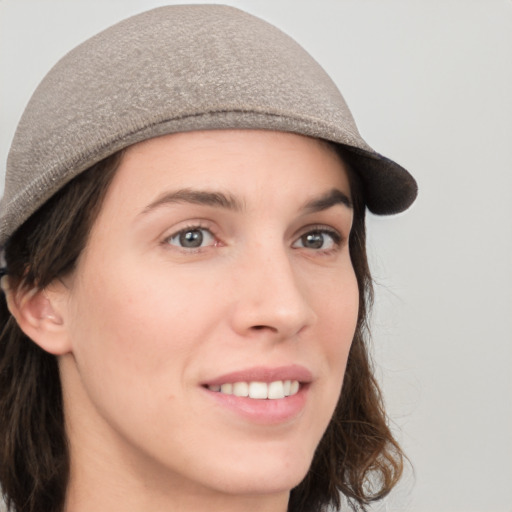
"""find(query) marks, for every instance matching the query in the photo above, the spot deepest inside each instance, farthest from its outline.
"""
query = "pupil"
(191, 238)
(313, 240)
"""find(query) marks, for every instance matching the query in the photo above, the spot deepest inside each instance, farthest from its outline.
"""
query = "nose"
(271, 297)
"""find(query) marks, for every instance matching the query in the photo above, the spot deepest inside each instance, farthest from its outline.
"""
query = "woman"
(186, 280)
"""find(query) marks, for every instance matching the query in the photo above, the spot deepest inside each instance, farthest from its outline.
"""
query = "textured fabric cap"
(174, 69)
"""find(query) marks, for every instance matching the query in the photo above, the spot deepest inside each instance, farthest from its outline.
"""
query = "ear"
(40, 314)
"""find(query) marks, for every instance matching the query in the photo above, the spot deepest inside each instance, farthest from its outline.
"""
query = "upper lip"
(264, 374)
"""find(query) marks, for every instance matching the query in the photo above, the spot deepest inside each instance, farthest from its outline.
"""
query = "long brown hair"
(357, 455)
(34, 459)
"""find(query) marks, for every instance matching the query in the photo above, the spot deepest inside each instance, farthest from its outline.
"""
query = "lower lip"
(264, 412)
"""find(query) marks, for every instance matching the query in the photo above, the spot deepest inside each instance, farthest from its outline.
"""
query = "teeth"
(276, 390)
(259, 390)
(241, 389)
(227, 389)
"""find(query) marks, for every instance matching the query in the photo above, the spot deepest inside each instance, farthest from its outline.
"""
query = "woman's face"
(219, 264)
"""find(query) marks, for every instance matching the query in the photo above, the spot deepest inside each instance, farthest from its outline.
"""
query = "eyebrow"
(326, 201)
(230, 202)
(201, 197)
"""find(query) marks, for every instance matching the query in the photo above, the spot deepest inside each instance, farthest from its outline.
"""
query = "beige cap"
(174, 69)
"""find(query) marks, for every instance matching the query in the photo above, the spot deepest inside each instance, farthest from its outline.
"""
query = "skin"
(143, 323)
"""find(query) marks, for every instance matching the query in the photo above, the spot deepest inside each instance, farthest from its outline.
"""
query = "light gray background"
(429, 83)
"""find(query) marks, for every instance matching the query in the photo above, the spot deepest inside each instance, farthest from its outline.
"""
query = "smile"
(259, 390)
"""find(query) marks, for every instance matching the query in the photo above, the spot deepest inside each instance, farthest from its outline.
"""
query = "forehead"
(242, 160)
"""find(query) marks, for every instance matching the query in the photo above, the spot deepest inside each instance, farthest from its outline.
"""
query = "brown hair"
(34, 460)
(357, 455)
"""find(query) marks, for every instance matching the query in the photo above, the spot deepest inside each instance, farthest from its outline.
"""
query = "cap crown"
(173, 69)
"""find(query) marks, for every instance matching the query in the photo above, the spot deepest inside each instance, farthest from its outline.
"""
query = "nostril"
(262, 327)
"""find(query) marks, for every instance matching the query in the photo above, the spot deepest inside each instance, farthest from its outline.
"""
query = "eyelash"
(336, 237)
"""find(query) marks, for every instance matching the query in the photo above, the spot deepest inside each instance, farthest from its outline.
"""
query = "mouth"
(263, 395)
(258, 390)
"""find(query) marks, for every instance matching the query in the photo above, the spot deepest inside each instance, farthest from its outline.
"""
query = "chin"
(257, 485)
(265, 476)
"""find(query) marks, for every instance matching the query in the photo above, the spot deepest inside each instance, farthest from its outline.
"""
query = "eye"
(319, 239)
(192, 238)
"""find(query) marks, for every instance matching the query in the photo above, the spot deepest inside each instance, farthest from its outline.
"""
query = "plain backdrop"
(430, 84)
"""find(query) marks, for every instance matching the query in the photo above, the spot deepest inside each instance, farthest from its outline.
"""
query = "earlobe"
(39, 315)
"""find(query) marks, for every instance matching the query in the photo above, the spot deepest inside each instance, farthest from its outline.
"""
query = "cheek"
(133, 340)
(343, 320)
(338, 314)
(338, 309)
(139, 323)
